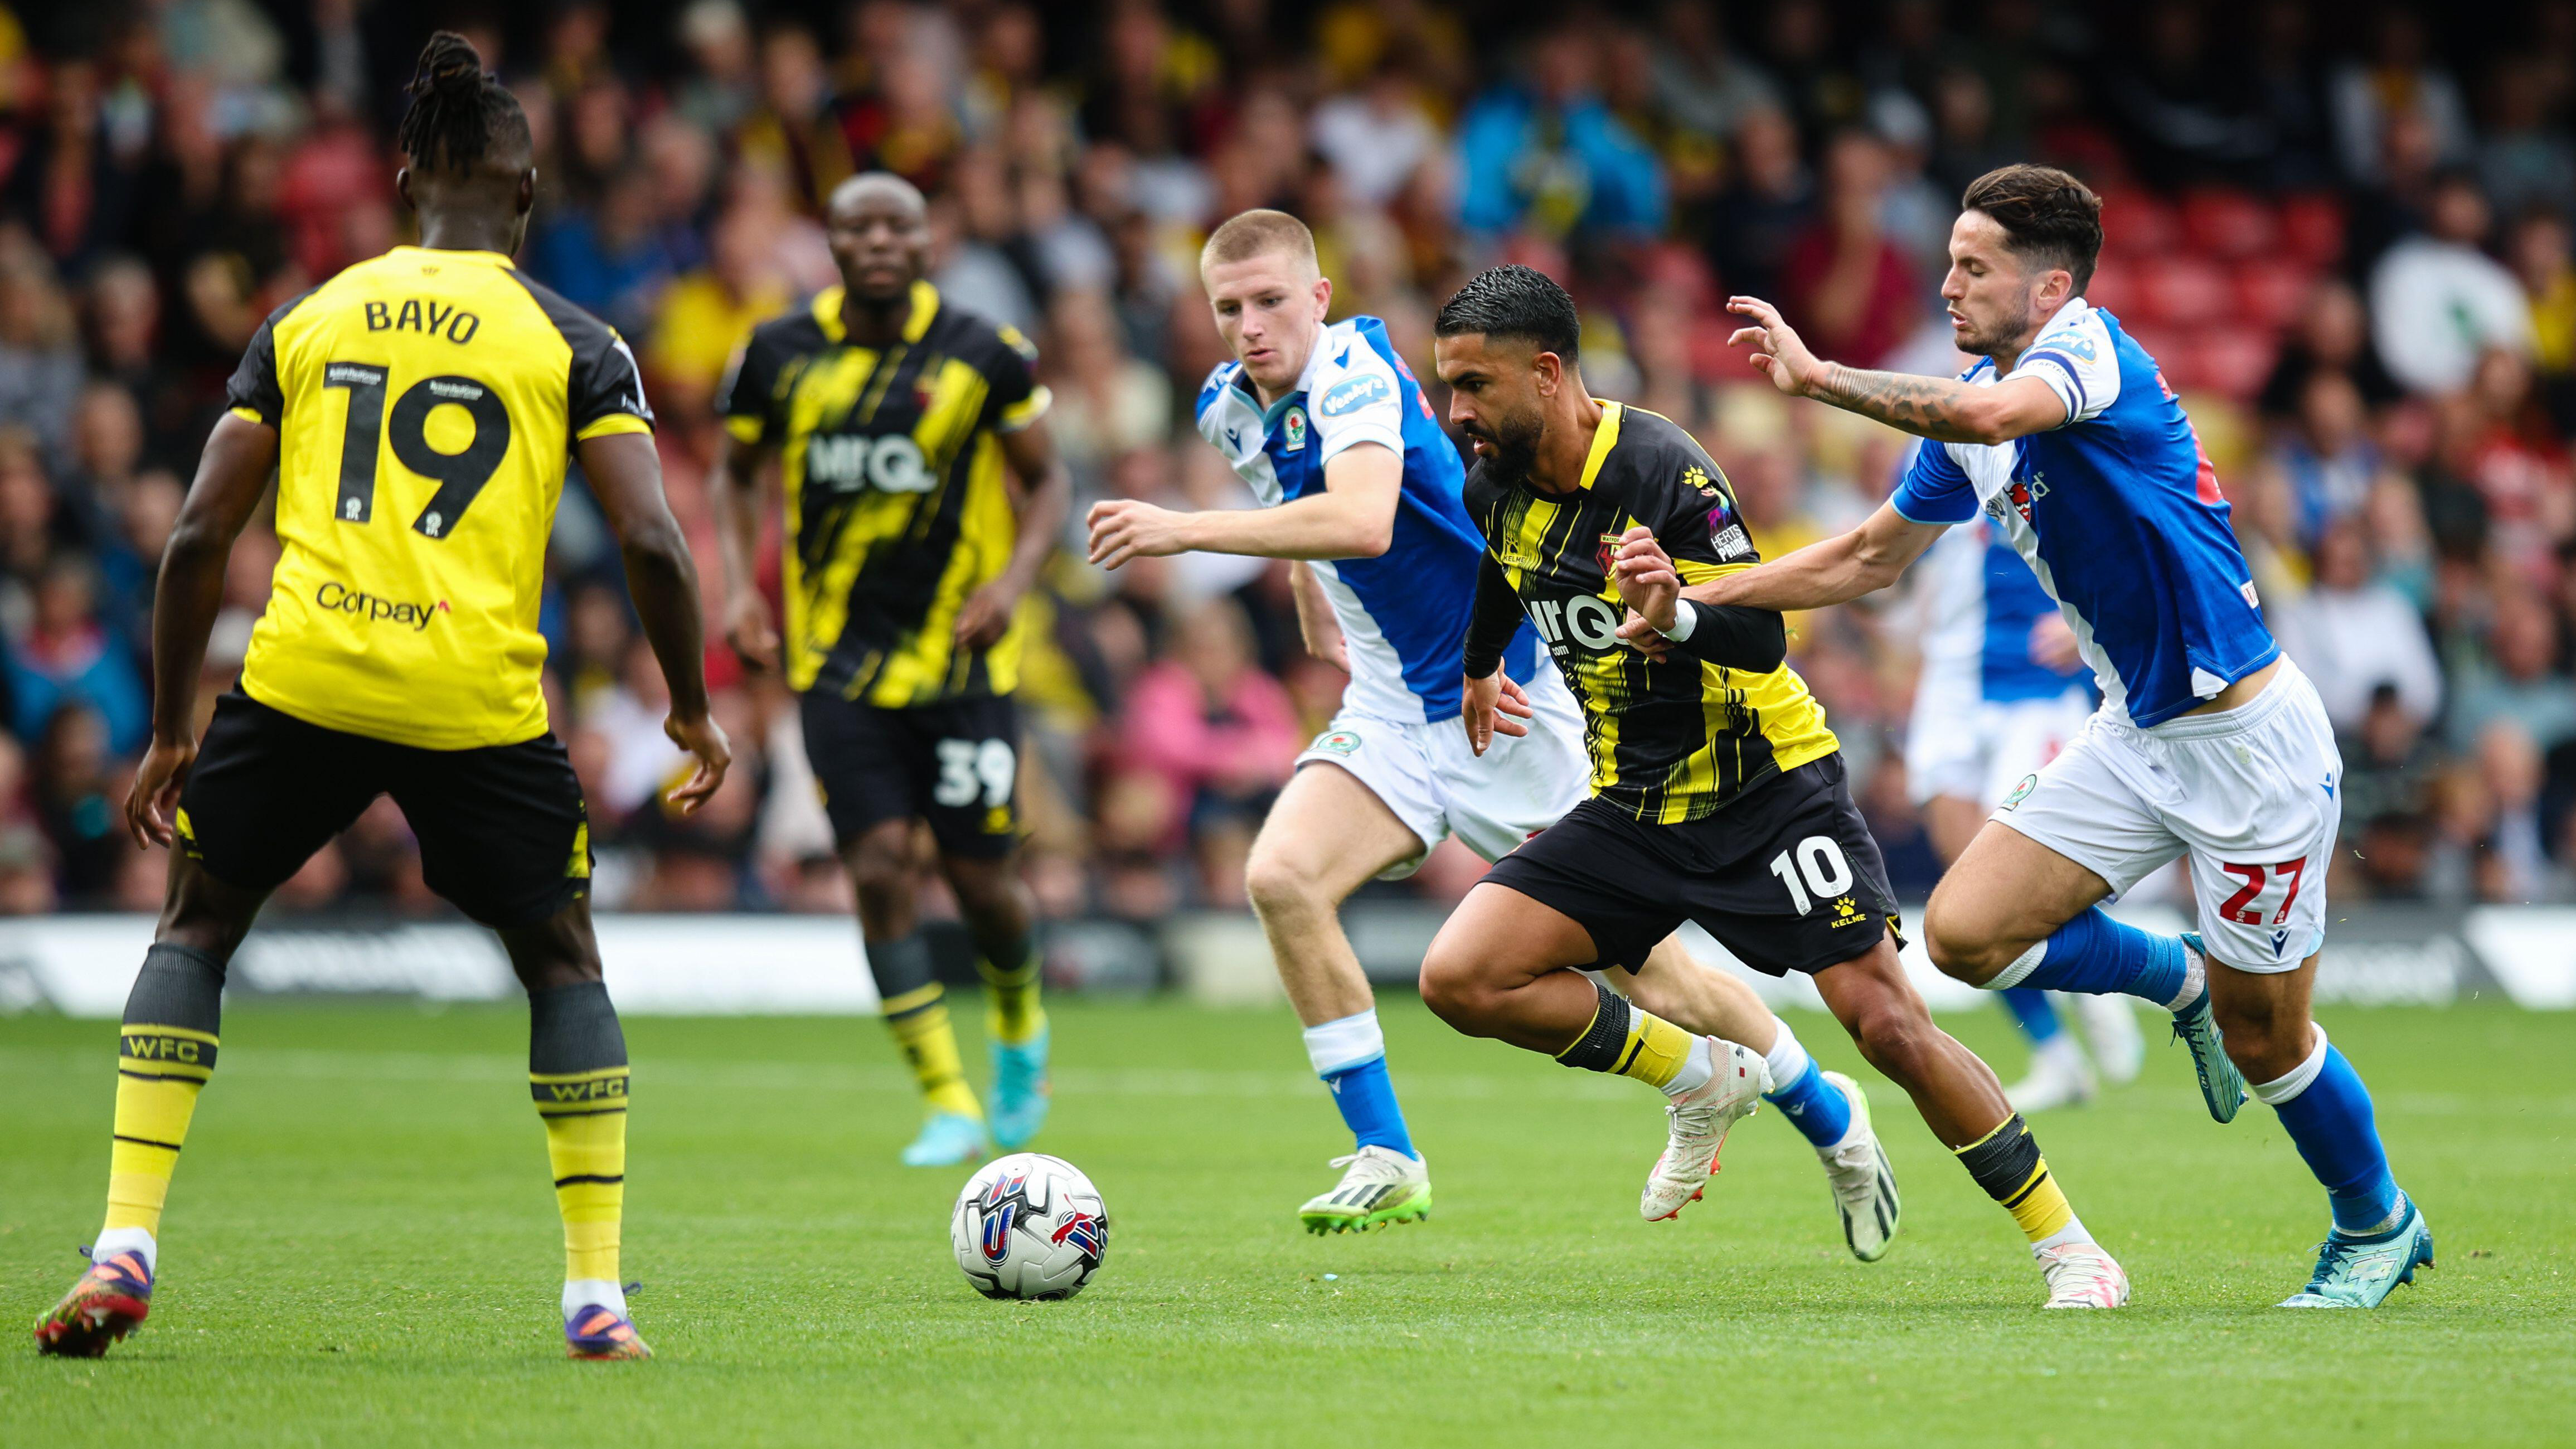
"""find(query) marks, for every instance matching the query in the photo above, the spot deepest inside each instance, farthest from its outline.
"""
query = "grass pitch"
(362, 1248)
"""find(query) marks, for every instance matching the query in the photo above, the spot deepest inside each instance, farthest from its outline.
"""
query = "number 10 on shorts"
(1819, 859)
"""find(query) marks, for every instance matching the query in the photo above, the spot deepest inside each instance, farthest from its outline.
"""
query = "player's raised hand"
(986, 615)
(1493, 706)
(1124, 528)
(1647, 581)
(704, 738)
(1777, 352)
(748, 630)
(155, 792)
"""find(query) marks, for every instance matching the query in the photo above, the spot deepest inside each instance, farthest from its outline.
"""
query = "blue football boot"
(2360, 1272)
(947, 1139)
(1021, 1093)
(2222, 1087)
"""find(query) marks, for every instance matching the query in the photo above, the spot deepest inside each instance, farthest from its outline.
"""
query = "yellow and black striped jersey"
(896, 509)
(426, 403)
(1670, 740)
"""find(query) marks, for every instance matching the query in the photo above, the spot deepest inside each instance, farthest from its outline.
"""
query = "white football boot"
(1700, 1119)
(1864, 1184)
(1379, 1186)
(2058, 1077)
(2081, 1275)
(2111, 1030)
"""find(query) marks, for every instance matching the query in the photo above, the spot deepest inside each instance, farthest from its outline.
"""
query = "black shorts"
(955, 764)
(1787, 877)
(503, 831)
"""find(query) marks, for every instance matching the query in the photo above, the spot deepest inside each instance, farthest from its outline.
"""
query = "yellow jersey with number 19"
(426, 403)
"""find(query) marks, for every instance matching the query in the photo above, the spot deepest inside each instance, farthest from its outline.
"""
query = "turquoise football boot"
(947, 1139)
(2360, 1272)
(2222, 1087)
(1021, 1092)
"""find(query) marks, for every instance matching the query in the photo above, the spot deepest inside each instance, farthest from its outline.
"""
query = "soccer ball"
(1029, 1226)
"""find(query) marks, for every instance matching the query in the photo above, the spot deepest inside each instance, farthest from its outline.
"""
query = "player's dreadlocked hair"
(458, 114)
(2050, 216)
(1513, 301)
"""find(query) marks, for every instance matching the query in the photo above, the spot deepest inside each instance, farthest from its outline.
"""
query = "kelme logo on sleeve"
(1353, 393)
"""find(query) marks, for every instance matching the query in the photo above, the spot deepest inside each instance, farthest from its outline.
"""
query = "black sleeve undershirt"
(1495, 618)
(1734, 637)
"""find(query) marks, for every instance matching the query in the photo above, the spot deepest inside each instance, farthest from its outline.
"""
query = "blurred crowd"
(2345, 232)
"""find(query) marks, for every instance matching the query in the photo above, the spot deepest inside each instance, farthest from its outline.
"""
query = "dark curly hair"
(2048, 216)
(1514, 301)
(458, 114)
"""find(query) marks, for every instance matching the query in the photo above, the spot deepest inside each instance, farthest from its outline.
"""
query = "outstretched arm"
(1865, 560)
(231, 474)
(1354, 517)
(626, 477)
(1043, 495)
(1940, 408)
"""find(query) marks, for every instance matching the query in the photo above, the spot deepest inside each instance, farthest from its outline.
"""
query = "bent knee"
(1963, 948)
(2268, 1047)
(1279, 885)
(1894, 1040)
(1454, 989)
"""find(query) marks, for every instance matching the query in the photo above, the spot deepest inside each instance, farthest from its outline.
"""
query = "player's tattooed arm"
(1943, 409)
(231, 475)
(1844, 567)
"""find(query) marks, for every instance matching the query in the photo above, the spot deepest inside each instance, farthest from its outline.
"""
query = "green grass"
(362, 1248)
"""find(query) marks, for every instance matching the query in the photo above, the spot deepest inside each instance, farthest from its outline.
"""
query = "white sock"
(2195, 979)
(2073, 1232)
(1697, 1068)
(1344, 1043)
(581, 1293)
(127, 1240)
(1787, 1060)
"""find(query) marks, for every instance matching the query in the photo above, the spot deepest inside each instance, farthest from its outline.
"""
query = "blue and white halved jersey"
(1984, 602)
(1404, 613)
(2118, 513)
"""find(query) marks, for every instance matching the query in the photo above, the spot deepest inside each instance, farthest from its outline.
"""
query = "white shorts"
(1438, 787)
(1971, 749)
(2252, 795)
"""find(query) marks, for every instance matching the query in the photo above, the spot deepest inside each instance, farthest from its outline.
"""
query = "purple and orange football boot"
(603, 1333)
(109, 1302)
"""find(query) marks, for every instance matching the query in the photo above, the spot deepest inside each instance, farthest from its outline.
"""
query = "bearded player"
(2210, 745)
(922, 499)
(418, 409)
(1718, 795)
(1361, 488)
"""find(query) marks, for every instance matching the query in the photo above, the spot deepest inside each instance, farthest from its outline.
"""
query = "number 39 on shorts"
(968, 768)
(1814, 869)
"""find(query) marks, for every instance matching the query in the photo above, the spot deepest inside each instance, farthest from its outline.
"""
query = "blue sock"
(2030, 1010)
(1366, 1096)
(1350, 1055)
(2330, 1120)
(2098, 956)
(1821, 1114)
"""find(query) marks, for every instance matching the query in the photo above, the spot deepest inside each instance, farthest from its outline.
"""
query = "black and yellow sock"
(916, 1013)
(2007, 1164)
(164, 1054)
(1627, 1040)
(1012, 1011)
(577, 1074)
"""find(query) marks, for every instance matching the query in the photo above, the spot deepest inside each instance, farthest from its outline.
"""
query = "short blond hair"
(1258, 232)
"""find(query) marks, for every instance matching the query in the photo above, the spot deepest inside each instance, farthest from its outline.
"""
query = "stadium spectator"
(2355, 636)
(2437, 301)
(170, 186)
